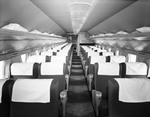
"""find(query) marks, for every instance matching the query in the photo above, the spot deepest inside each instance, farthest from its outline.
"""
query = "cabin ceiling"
(71, 16)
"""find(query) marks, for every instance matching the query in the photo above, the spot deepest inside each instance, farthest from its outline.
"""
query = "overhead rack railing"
(138, 40)
(142, 33)
(29, 35)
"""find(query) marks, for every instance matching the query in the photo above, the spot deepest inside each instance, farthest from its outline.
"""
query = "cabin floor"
(79, 100)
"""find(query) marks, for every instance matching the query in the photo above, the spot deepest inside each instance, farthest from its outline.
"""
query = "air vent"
(15, 54)
(143, 54)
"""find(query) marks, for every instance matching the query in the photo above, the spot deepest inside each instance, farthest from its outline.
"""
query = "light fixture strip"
(77, 22)
(80, 3)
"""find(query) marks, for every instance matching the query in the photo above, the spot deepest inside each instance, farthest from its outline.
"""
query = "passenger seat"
(134, 69)
(129, 97)
(102, 73)
(24, 70)
(5, 98)
(35, 98)
(55, 71)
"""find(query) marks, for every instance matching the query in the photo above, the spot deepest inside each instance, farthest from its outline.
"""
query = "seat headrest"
(2, 81)
(58, 59)
(134, 90)
(37, 58)
(136, 68)
(31, 90)
(108, 69)
(107, 53)
(93, 54)
(102, 50)
(22, 69)
(95, 59)
(118, 59)
(52, 68)
(47, 53)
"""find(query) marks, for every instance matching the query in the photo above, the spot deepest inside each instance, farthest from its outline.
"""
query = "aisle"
(79, 102)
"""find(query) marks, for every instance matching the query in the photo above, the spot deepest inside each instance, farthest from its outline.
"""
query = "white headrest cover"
(108, 69)
(37, 58)
(31, 90)
(22, 69)
(136, 68)
(95, 59)
(108, 53)
(93, 54)
(52, 68)
(118, 59)
(134, 89)
(47, 53)
(62, 54)
(102, 50)
(59, 59)
(2, 81)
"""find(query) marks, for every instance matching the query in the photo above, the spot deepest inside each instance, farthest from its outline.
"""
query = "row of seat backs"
(40, 71)
(86, 52)
(29, 98)
(53, 59)
(45, 58)
(90, 57)
(129, 97)
(60, 47)
(117, 59)
(106, 71)
(102, 59)
(64, 50)
(33, 70)
(51, 53)
(38, 58)
(93, 49)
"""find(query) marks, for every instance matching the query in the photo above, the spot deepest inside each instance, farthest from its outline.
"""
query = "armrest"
(70, 62)
(86, 69)
(83, 62)
(69, 68)
(63, 97)
(89, 80)
(67, 80)
(96, 99)
(81, 56)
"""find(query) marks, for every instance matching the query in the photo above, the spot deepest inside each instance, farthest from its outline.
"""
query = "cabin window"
(23, 58)
(37, 52)
(132, 58)
(1, 69)
(109, 49)
(140, 59)
(117, 53)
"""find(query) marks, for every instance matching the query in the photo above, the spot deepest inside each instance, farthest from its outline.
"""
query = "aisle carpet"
(79, 102)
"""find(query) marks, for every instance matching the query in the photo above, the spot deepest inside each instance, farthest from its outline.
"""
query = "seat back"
(129, 97)
(38, 58)
(93, 54)
(24, 70)
(5, 98)
(134, 69)
(103, 72)
(106, 53)
(98, 59)
(53, 71)
(48, 53)
(58, 59)
(117, 59)
(35, 98)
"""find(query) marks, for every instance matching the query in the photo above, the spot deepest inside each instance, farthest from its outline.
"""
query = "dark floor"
(79, 102)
